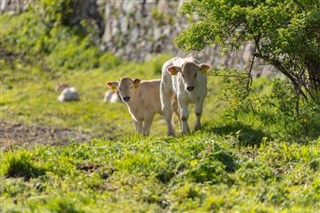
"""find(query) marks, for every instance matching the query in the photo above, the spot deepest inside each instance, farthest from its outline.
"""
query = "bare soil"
(13, 133)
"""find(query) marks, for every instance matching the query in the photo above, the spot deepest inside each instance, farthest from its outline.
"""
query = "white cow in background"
(112, 96)
(183, 79)
(67, 93)
(142, 99)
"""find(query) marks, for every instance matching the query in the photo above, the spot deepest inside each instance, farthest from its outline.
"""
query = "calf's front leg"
(184, 116)
(198, 111)
(147, 124)
(138, 125)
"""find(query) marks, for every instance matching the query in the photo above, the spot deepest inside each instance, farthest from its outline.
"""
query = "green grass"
(200, 172)
(28, 95)
(226, 167)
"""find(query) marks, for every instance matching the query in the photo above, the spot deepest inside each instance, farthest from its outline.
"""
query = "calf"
(111, 96)
(61, 86)
(67, 93)
(183, 79)
(142, 98)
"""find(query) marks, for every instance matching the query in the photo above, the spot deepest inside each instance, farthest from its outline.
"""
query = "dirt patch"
(12, 133)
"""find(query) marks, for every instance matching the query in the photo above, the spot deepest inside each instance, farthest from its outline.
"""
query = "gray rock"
(124, 24)
(128, 6)
(134, 34)
(157, 33)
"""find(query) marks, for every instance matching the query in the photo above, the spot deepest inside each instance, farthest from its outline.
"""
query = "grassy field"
(226, 167)
(28, 95)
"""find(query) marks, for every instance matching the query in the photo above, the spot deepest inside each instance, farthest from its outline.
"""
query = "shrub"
(51, 34)
(254, 116)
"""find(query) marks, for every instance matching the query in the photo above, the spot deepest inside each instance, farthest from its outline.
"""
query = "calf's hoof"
(197, 127)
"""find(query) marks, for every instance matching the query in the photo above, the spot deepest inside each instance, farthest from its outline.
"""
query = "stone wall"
(139, 29)
(136, 30)
(14, 6)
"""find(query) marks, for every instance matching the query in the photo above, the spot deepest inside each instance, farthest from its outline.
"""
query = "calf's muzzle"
(190, 88)
(126, 99)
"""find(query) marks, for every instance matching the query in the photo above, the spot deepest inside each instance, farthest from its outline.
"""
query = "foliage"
(267, 109)
(286, 34)
(50, 35)
(54, 12)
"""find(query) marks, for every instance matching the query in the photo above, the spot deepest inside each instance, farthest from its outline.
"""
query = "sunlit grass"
(29, 96)
(154, 173)
(226, 167)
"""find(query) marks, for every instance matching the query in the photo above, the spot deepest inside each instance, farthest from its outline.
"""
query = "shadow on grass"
(244, 135)
(22, 167)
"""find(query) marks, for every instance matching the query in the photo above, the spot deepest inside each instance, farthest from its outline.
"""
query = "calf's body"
(111, 97)
(69, 94)
(142, 99)
(185, 80)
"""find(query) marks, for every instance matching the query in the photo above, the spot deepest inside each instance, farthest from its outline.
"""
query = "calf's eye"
(195, 75)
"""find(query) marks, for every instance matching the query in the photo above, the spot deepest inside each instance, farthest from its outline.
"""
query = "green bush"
(43, 36)
(73, 53)
(107, 61)
(266, 110)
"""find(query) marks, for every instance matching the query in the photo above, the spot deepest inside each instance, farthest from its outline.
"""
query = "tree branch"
(276, 63)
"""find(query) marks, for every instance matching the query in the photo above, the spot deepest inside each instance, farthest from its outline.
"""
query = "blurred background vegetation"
(53, 35)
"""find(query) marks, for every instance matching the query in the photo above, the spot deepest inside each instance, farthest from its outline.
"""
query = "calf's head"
(126, 87)
(189, 72)
(62, 86)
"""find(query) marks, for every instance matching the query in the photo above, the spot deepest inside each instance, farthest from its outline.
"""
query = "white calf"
(111, 96)
(186, 80)
(142, 98)
(68, 93)
(61, 86)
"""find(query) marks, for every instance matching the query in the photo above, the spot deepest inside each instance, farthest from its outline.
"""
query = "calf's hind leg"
(166, 99)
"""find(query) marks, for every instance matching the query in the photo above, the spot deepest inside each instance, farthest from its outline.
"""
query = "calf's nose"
(126, 99)
(189, 88)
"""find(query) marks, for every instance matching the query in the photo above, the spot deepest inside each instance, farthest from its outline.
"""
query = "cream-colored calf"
(142, 98)
(184, 79)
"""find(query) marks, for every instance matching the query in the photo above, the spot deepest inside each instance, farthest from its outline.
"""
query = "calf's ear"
(204, 68)
(173, 70)
(136, 82)
(113, 85)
